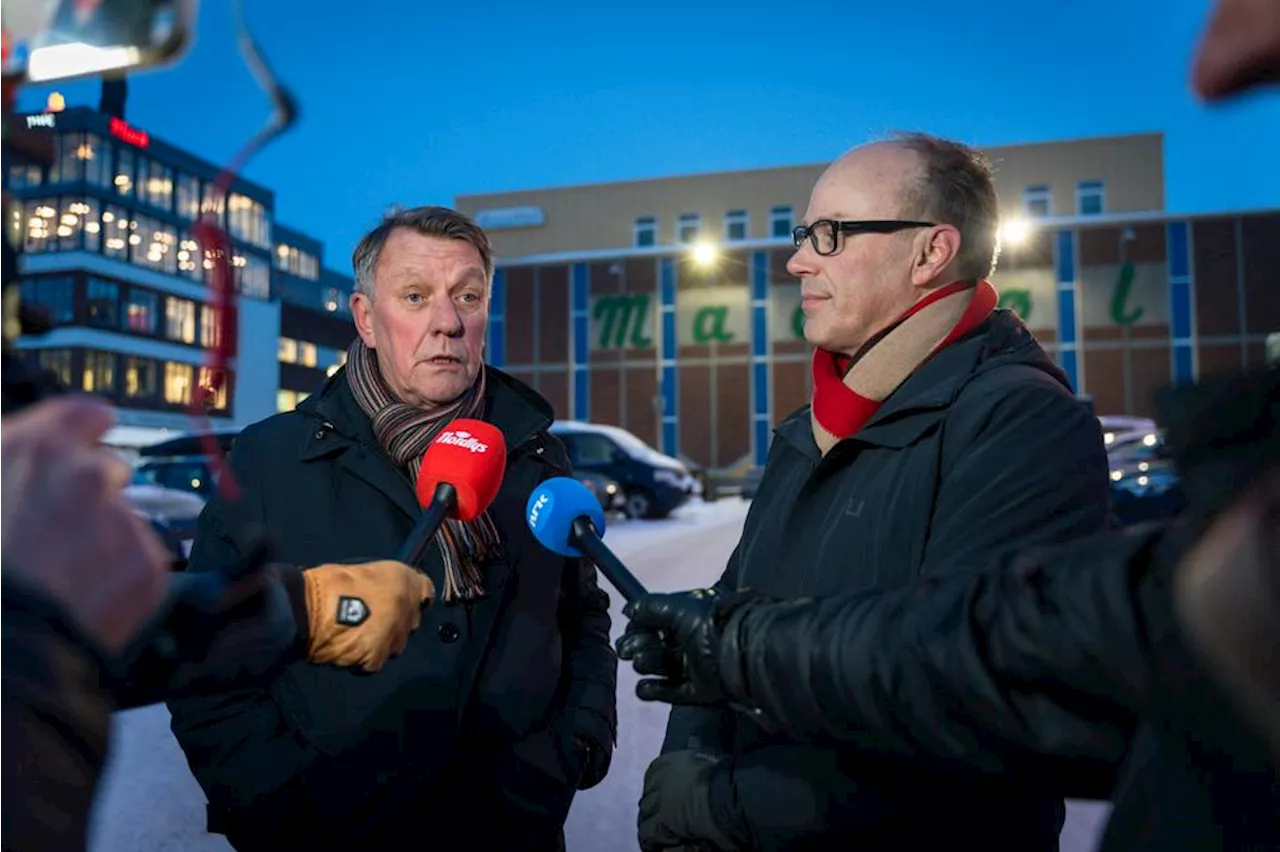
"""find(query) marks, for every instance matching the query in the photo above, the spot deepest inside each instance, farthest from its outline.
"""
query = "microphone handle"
(589, 542)
(433, 516)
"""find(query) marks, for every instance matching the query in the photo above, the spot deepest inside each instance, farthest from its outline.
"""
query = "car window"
(184, 476)
(593, 449)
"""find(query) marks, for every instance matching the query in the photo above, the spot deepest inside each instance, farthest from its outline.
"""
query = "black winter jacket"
(476, 721)
(983, 450)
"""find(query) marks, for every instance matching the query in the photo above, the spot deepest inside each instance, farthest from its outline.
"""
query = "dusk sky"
(417, 102)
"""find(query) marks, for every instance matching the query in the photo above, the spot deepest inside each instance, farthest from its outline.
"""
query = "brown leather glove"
(361, 615)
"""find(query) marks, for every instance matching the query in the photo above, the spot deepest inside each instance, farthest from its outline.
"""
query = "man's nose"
(445, 318)
(800, 263)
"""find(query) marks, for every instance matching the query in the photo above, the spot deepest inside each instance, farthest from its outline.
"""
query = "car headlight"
(611, 489)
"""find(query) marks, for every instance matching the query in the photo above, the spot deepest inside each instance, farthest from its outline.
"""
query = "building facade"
(108, 250)
(665, 306)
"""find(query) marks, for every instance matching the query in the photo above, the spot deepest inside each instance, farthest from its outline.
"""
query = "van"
(655, 485)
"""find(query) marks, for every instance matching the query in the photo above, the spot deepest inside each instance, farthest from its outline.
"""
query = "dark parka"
(984, 449)
(473, 727)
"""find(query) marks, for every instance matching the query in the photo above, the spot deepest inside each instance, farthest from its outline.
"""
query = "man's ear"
(935, 251)
(362, 313)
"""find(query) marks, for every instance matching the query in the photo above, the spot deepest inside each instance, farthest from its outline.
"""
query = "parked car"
(190, 473)
(171, 512)
(706, 485)
(655, 484)
(608, 491)
(191, 444)
(1117, 426)
(1146, 490)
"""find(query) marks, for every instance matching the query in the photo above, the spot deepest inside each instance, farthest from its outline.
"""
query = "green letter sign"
(620, 317)
(1124, 284)
(708, 325)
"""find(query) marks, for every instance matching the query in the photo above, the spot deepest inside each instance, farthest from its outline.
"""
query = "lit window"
(190, 259)
(58, 362)
(209, 327)
(286, 400)
(141, 311)
(139, 377)
(188, 196)
(124, 172)
(306, 353)
(215, 392)
(288, 350)
(117, 228)
(781, 221)
(247, 220)
(180, 320)
(154, 244)
(177, 383)
(99, 372)
(252, 276)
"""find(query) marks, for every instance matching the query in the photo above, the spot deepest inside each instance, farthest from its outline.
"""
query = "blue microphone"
(567, 519)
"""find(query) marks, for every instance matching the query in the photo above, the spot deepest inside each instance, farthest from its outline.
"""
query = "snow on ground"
(149, 801)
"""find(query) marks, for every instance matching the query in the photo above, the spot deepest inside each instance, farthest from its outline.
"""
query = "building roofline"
(1055, 223)
(782, 167)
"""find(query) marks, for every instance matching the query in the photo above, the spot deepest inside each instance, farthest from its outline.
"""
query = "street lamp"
(704, 253)
(1014, 232)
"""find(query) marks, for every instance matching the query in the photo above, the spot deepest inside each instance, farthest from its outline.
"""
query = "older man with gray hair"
(501, 704)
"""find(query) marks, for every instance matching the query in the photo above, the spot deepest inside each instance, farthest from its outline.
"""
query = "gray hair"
(957, 187)
(428, 221)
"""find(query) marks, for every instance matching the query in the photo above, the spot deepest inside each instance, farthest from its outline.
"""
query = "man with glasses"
(939, 436)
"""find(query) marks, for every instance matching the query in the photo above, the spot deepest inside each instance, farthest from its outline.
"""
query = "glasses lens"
(799, 234)
(824, 236)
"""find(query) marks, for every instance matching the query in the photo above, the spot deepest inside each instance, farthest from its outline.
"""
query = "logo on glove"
(352, 612)
(463, 440)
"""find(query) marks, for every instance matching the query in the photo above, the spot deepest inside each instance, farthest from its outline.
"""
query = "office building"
(108, 250)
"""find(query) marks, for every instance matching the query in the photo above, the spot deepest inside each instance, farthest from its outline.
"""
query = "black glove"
(675, 807)
(678, 636)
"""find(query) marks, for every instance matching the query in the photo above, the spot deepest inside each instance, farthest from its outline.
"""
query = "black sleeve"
(592, 700)
(236, 741)
(57, 718)
(591, 703)
(707, 729)
(1038, 667)
(1023, 465)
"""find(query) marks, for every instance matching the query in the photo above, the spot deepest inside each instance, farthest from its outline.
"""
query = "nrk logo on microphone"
(463, 439)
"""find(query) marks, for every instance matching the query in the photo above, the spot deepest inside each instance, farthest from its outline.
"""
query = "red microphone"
(460, 475)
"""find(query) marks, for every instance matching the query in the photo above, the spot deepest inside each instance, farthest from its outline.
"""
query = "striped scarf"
(405, 431)
(847, 392)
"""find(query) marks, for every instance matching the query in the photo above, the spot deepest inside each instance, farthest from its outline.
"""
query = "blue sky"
(408, 102)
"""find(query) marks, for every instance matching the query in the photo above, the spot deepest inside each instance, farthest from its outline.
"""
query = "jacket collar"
(923, 399)
(344, 431)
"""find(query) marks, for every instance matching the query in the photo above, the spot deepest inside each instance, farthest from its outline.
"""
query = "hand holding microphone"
(676, 636)
(362, 615)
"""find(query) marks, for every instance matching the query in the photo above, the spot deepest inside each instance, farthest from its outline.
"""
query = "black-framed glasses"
(823, 234)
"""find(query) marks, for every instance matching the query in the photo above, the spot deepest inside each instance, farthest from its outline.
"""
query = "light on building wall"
(1015, 232)
(704, 253)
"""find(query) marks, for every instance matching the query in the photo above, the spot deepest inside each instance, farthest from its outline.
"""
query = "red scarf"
(847, 391)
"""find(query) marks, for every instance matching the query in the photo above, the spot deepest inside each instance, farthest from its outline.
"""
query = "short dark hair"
(956, 187)
(429, 221)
